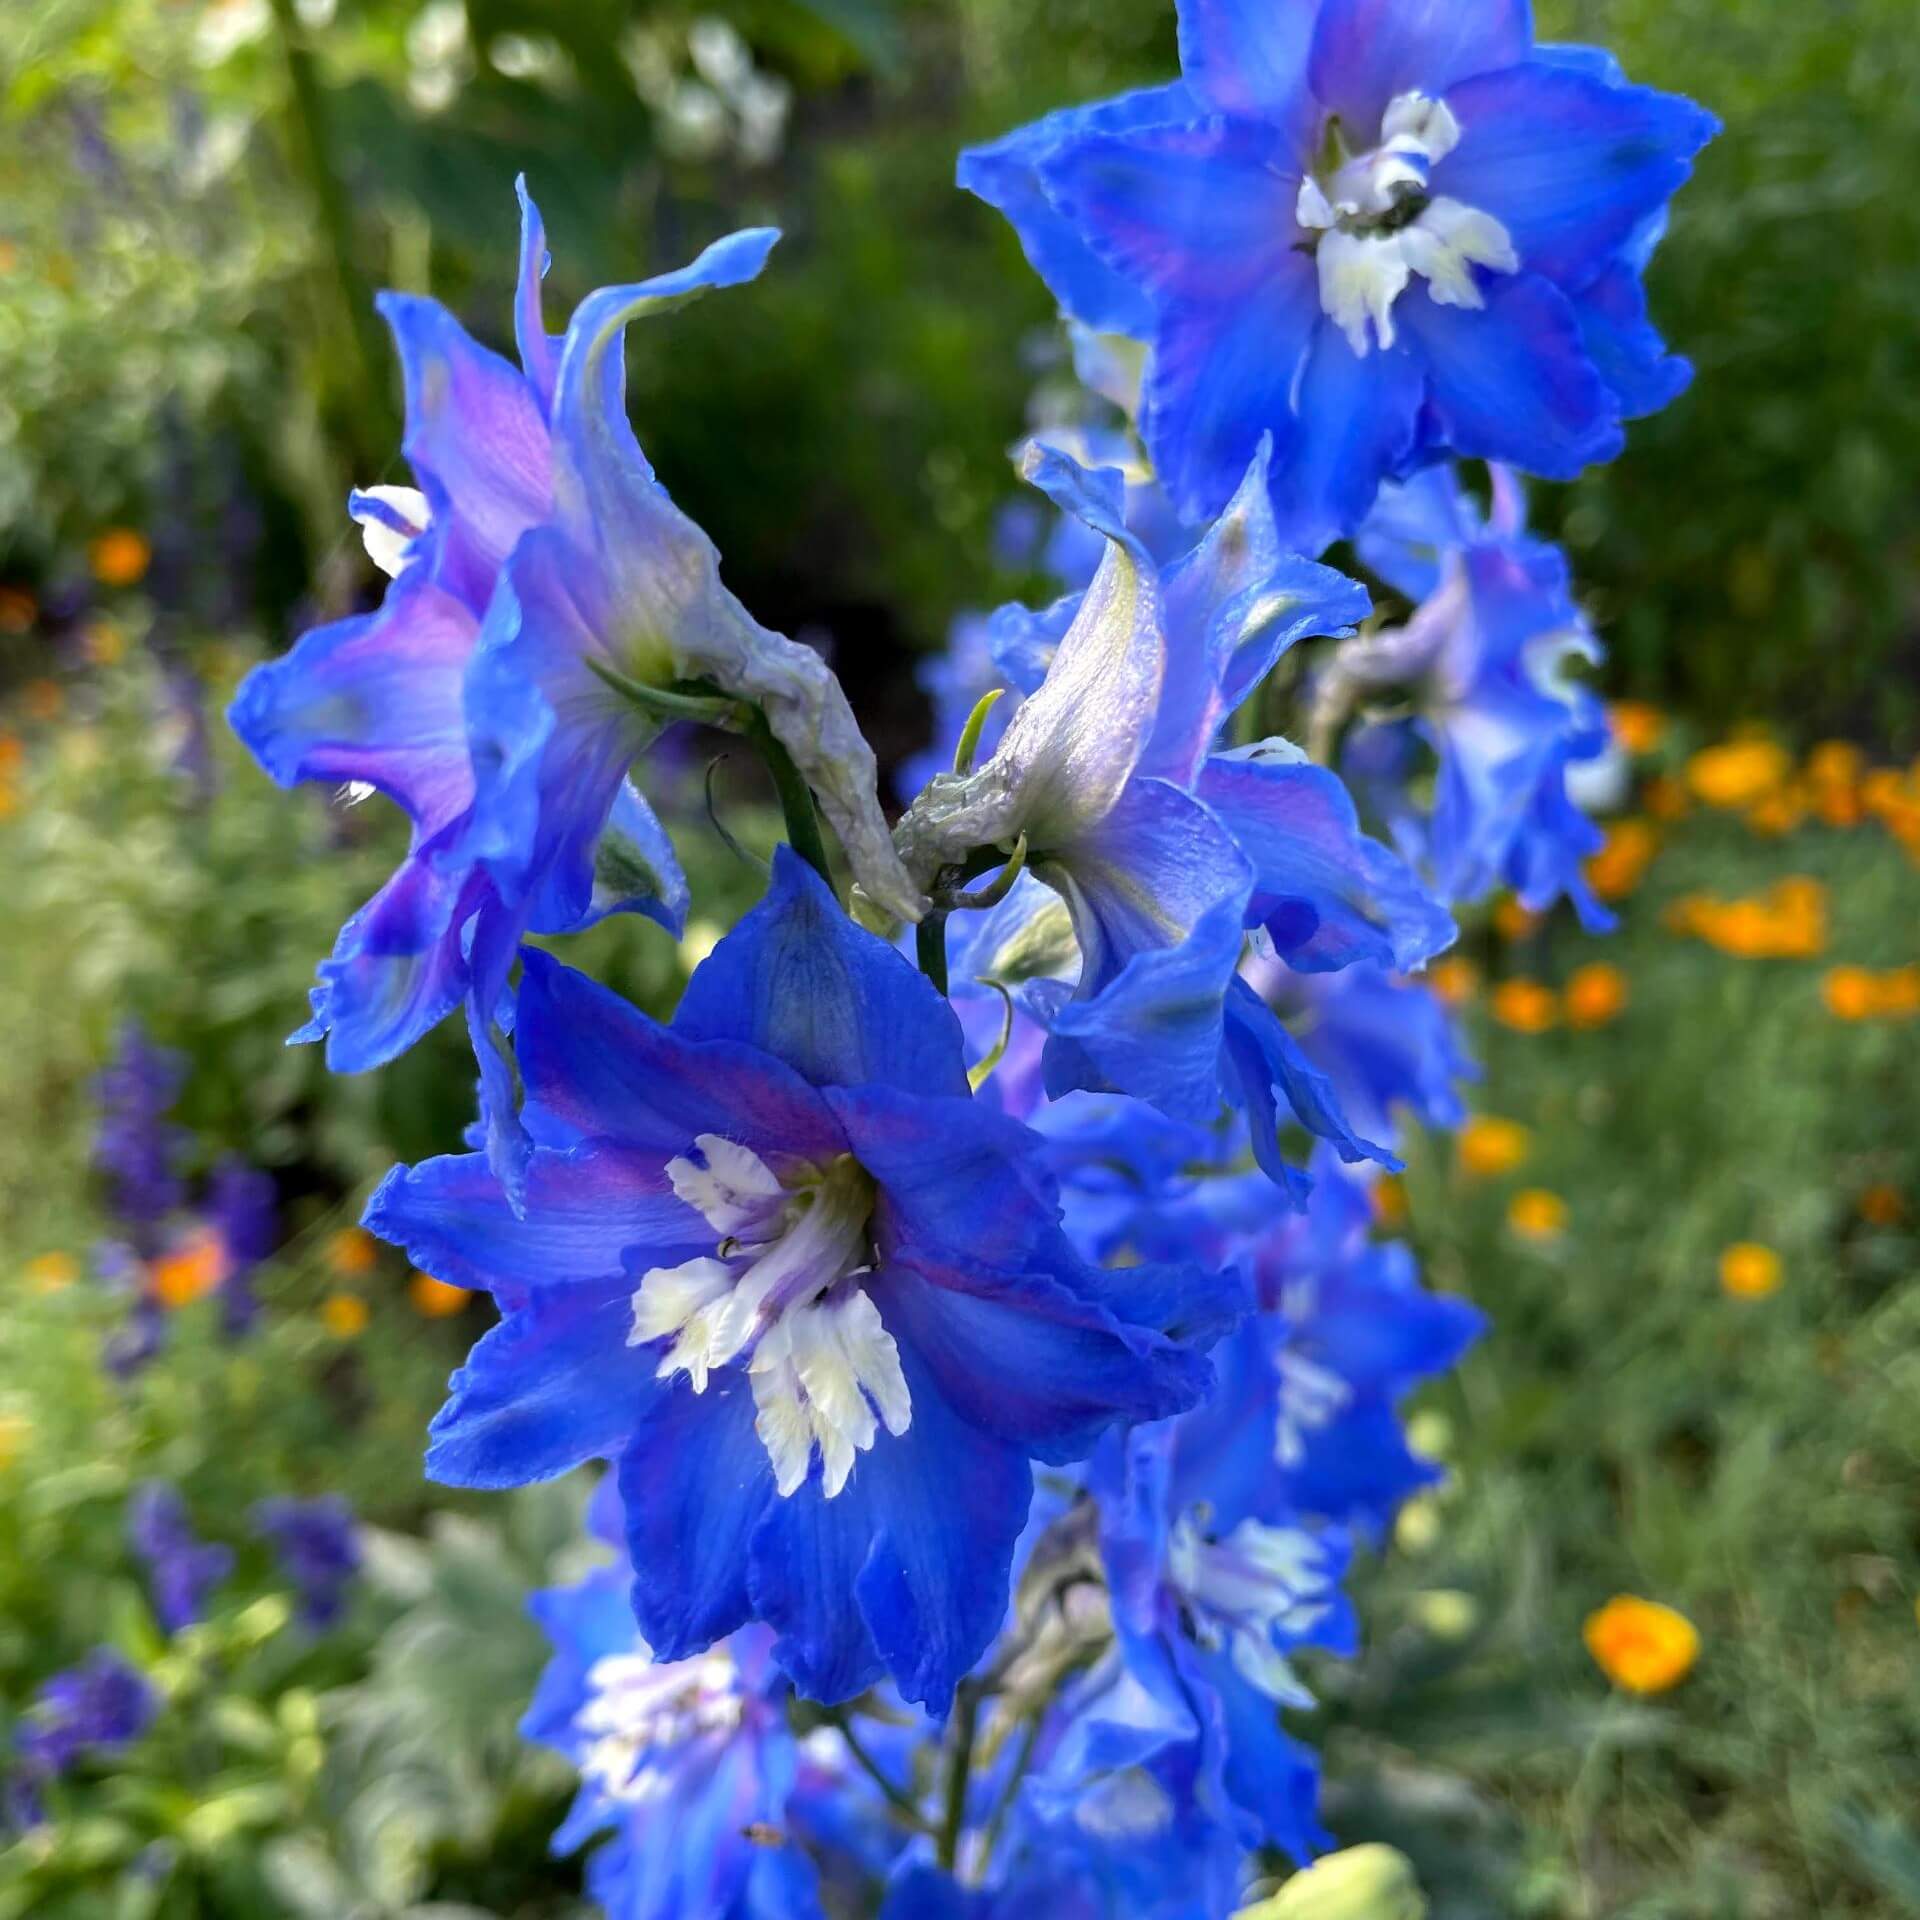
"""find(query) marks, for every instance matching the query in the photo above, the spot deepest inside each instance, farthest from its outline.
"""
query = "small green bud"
(1361, 1883)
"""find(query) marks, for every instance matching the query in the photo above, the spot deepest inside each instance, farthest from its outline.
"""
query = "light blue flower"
(1376, 230)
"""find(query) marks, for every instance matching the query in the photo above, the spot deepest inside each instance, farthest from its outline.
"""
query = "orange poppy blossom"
(1535, 1213)
(1749, 1271)
(1641, 1645)
(1595, 994)
(119, 557)
(1525, 1006)
(435, 1299)
(1488, 1146)
(1738, 773)
(1622, 863)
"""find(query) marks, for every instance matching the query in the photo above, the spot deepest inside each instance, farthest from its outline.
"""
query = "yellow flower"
(1512, 921)
(1882, 1206)
(1836, 763)
(1638, 727)
(103, 643)
(1621, 864)
(50, 1272)
(1738, 774)
(1851, 993)
(1536, 1214)
(351, 1252)
(1749, 1271)
(1489, 1146)
(435, 1299)
(1640, 1645)
(344, 1315)
(15, 1431)
(189, 1270)
(1595, 994)
(1454, 979)
(119, 557)
(1388, 1195)
(1525, 1006)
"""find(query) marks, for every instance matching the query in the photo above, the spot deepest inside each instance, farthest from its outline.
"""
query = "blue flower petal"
(1326, 894)
(1365, 52)
(1624, 344)
(1513, 381)
(1005, 175)
(1569, 165)
(1248, 58)
(797, 979)
(552, 1385)
(539, 349)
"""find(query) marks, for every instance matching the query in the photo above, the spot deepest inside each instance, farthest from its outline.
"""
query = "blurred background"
(1690, 1208)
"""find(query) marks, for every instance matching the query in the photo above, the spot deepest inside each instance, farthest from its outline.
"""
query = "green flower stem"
(796, 797)
(966, 1720)
(930, 946)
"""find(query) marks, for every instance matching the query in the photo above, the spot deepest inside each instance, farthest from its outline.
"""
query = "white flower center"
(639, 1711)
(1379, 225)
(781, 1288)
(1241, 1591)
(391, 520)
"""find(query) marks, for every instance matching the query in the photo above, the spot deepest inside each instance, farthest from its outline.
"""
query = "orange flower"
(1899, 993)
(1851, 993)
(1454, 979)
(1489, 1146)
(434, 1299)
(13, 756)
(190, 1269)
(1638, 727)
(1536, 1214)
(18, 610)
(51, 1272)
(1739, 773)
(42, 699)
(119, 557)
(1779, 813)
(1882, 1206)
(1512, 921)
(1749, 1271)
(1595, 995)
(1621, 864)
(1665, 798)
(1788, 922)
(352, 1252)
(344, 1315)
(1836, 763)
(1388, 1195)
(1641, 1646)
(1525, 1006)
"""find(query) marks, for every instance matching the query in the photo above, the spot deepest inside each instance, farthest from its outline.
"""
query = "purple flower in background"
(318, 1546)
(135, 1342)
(242, 1207)
(181, 1568)
(136, 1151)
(99, 1707)
(1377, 230)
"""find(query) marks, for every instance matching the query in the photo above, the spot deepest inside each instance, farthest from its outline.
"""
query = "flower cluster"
(974, 1287)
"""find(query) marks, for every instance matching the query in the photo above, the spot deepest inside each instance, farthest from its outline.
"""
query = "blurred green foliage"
(198, 200)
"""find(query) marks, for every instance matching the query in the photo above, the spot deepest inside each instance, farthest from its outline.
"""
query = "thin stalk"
(897, 1798)
(1022, 1760)
(930, 946)
(966, 1721)
(796, 797)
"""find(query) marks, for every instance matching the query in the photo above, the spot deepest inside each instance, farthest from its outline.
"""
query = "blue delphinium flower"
(812, 1295)
(685, 1765)
(136, 1149)
(1168, 848)
(1305, 1419)
(243, 1210)
(317, 1543)
(97, 1708)
(1377, 230)
(1484, 664)
(181, 1568)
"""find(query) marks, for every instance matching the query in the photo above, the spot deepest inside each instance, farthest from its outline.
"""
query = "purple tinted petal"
(585, 1209)
(1200, 212)
(797, 979)
(594, 1065)
(539, 350)
(1365, 52)
(1569, 165)
(477, 442)
(1249, 58)
(552, 1385)
(376, 698)
(1327, 895)
(1032, 1364)
(1512, 381)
